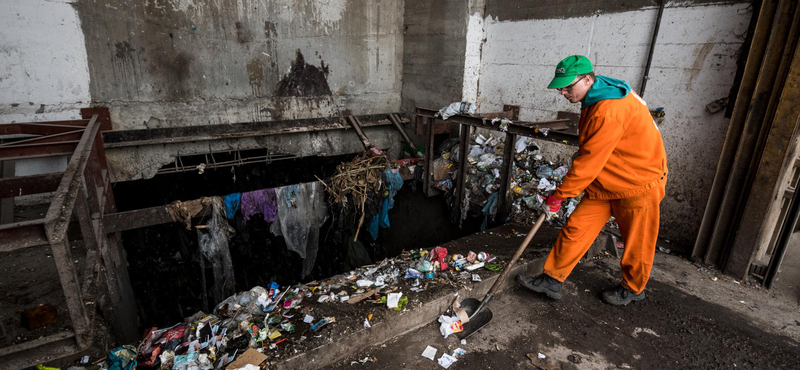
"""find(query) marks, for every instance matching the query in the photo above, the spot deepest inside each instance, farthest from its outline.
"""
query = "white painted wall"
(42, 61)
(694, 64)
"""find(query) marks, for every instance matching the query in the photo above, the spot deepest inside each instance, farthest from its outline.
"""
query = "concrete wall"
(433, 52)
(163, 63)
(43, 66)
(694, 64)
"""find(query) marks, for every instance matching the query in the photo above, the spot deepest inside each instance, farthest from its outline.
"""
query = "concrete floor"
(688, 320)
(787, 283)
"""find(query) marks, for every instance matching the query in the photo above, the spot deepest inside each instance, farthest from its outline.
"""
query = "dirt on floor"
(671, 328)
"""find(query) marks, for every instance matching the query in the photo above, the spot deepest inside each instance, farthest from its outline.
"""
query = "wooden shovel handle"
(522, 247)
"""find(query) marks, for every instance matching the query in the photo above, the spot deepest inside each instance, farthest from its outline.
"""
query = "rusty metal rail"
(81, 193)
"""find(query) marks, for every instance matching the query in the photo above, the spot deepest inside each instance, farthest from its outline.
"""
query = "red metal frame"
(82, 195)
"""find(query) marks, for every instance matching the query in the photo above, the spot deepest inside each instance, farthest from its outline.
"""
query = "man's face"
(576, 91)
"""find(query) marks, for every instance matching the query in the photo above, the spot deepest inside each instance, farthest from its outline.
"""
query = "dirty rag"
(394, 182)
(264, 202)
(184, 211)
(122, 358)
(232, 204)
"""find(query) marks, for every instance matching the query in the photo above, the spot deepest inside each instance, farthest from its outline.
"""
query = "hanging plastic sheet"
(394, 182)
(264, 202)
(213, 240)
(301, 212)
(232, 204)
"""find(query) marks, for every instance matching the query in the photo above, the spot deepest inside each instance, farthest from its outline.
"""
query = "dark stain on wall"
(255, 73)
(304, 79)
(123, 49)
(175, 72)
(242, 34)
(269, 30)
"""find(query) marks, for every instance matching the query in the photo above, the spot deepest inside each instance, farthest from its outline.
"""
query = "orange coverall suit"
(622, 167)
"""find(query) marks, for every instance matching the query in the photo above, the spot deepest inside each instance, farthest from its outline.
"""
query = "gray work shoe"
(541, 284)
(619, 296)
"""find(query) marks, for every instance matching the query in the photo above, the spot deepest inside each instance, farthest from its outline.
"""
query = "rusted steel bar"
(361, 136)
(126, 138)
(38, 150)
(26, 185)
(35, 129)
(530, 129)
(60, 211)
(429, 159)
(139, 218)
(62, 256)
(39, 350)
(399, 126)
(461, 178)
(503, 205)
(21, 235)
(70, 135)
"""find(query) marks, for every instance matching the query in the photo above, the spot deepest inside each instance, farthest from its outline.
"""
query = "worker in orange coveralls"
(622, 168)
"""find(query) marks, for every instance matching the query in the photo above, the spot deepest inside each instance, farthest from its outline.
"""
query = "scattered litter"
(446, 360)
(450, 325)
(644, 330)
(393, 300)
(476, 277)
(363, 361)
(429, 353)
(308, 319)
(663, 250)
(541, 356)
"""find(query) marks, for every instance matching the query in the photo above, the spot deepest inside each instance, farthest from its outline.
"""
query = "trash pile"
(533, 178)
(266, 324)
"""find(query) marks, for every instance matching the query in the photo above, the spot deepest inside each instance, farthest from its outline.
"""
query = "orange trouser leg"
(576, 237)
(638, 219)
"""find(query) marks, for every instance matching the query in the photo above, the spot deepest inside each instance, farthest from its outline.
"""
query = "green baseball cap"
(567, 69)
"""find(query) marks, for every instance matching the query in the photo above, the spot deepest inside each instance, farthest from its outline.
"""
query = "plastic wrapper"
(449, 325)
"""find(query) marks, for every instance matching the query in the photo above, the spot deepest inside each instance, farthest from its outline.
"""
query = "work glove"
(553, 203)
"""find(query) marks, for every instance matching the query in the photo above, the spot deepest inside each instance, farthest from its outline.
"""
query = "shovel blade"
(476, 322)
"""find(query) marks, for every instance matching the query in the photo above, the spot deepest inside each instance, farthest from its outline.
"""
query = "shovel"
(476, 310)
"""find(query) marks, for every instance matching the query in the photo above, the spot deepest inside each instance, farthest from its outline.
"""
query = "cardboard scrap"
(249, 357)
(355, 298)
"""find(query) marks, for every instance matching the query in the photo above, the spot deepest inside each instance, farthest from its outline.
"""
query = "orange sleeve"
(602, 135)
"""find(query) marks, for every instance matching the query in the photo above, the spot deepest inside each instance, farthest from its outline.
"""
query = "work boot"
(619, 296)
(541, 284)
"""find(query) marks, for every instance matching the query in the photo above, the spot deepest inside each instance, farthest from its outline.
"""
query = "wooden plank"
(732, 137)
(778, 158)
(731, 207)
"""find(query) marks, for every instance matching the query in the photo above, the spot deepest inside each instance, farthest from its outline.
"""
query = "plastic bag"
(213, 241)
(301, 212)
